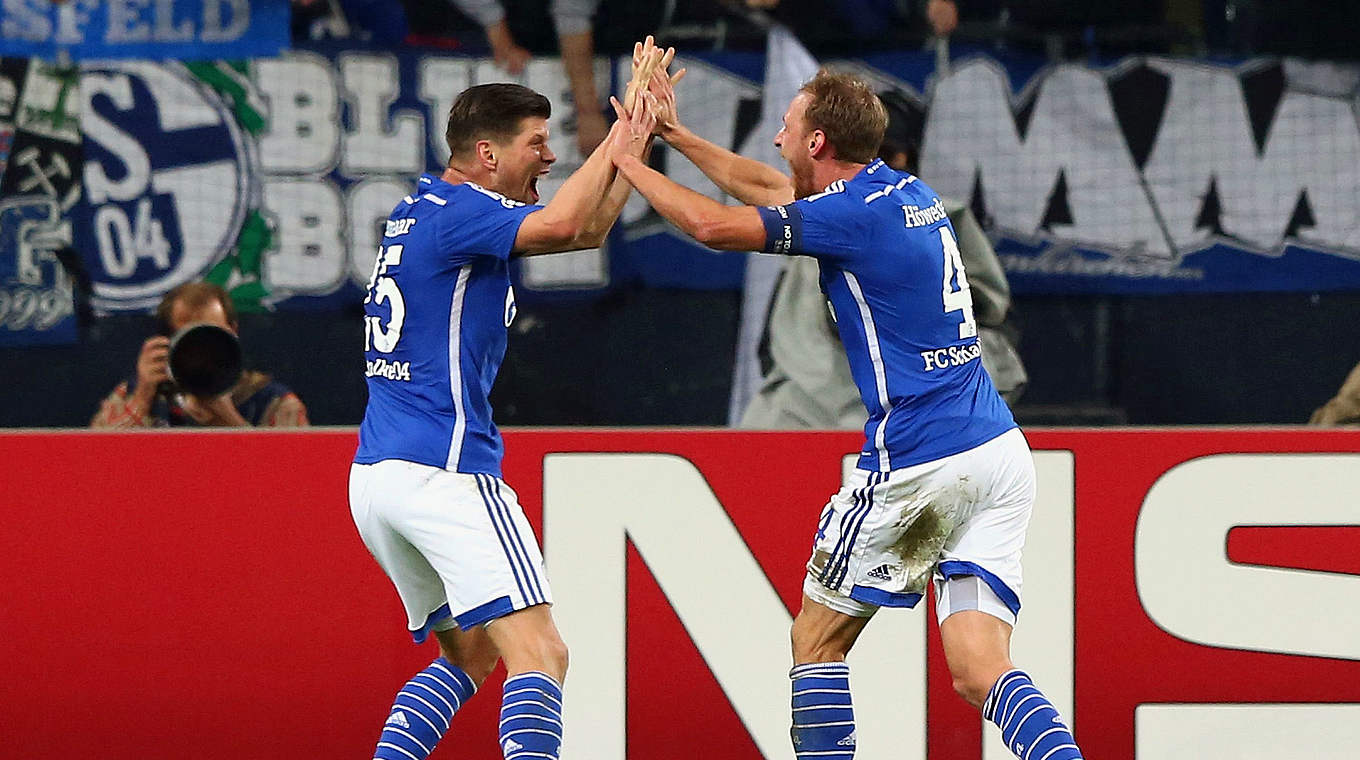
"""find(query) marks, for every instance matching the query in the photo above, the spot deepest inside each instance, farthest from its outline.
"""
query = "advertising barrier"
(1188, 594)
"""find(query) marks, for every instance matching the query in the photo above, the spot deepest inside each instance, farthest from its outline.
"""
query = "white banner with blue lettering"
(270, 176)
(165, 29)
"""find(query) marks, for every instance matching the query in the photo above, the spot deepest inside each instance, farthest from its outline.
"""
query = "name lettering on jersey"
(391, 370)
(954, 356)
(924, 217)
(396, 227)
(784, 243)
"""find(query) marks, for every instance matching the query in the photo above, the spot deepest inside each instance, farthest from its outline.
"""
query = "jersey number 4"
(957, 297)
(383, 289)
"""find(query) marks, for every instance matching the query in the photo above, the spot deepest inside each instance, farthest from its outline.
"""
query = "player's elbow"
(709, 230)
(567, 232)
(722, 232)
(591, 237)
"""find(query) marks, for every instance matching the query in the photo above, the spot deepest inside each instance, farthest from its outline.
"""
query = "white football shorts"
(457, 546)
(959, 521)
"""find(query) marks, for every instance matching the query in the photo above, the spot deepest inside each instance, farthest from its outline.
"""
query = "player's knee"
(811, 643)
(555, 653)
(973, 683)
(547, 653)
(479, 669)
(476, 663)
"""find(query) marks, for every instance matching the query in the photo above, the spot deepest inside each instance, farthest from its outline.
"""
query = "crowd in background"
(514, 30)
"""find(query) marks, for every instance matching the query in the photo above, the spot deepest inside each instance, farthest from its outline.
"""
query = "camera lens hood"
(205, 360)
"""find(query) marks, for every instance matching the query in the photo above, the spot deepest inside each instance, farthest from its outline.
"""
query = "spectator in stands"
(149, 400)
(870, 18)
(380, 21)
(508, 53)
(575, 40)
(1344, 408)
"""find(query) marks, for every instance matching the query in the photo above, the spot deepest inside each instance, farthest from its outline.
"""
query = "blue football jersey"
(435, 320)
(890, 266)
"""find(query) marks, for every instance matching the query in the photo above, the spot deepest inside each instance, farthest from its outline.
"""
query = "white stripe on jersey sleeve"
(876, 359)
(456, 367)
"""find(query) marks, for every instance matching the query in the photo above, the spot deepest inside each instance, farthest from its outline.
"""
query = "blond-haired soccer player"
(945, 482)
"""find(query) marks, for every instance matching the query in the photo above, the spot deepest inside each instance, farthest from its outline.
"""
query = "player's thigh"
(471, 529)
(979, 568)
(879, 538)
(376, 491)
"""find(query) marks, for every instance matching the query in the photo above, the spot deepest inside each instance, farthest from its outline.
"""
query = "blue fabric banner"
(178, 29)
(272, 175)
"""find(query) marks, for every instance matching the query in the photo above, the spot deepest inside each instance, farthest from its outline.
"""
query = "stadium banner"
(1188, 594)
(40, 183)
(165, 29)
(271, 175)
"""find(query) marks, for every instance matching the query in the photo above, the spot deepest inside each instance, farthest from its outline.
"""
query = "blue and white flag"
(40, 182)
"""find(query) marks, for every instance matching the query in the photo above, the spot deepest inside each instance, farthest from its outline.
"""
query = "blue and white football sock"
(422, 711)
(1029, 723)
(823, 717)
(531, 716)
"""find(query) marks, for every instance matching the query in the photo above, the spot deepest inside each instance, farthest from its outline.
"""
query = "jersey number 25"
(383, 289)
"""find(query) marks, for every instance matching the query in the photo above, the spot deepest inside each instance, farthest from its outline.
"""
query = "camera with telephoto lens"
(205, 360)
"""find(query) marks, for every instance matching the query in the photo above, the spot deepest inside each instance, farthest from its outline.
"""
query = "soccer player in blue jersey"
(945, 483)
(425, 488)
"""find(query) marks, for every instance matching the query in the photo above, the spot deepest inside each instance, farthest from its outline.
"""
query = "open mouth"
(533, 190)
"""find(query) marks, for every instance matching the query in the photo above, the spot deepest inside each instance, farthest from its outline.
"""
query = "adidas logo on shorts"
(398, 718)
(881, 573)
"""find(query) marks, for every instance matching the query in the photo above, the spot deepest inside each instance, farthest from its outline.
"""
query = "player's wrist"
(669, 131)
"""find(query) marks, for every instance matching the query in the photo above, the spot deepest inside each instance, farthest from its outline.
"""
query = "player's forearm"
(597, 229)
(743, 178)
(702, 218)
(572, 207)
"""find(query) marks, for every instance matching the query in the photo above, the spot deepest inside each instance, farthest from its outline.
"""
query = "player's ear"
(816, 143)
(486, 154)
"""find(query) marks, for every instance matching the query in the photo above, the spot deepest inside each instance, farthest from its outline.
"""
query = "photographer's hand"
(217, 411)
(153, 368)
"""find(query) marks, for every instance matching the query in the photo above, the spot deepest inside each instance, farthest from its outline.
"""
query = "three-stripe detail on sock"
(423, 710)
(531, 717)
(823, 716)
(1030, 725)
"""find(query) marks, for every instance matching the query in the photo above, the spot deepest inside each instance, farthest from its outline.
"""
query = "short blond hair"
(848, 112)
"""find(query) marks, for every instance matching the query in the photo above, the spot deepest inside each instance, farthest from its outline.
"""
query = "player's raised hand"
(647, 58)
(632, 131)
(662, 87)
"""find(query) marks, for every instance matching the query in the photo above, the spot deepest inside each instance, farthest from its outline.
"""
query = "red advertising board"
(206, 595)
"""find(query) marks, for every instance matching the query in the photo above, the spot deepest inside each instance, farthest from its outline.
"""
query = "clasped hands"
(648, 106)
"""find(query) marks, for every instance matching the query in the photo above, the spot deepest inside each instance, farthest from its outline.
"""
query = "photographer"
(151, 399)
